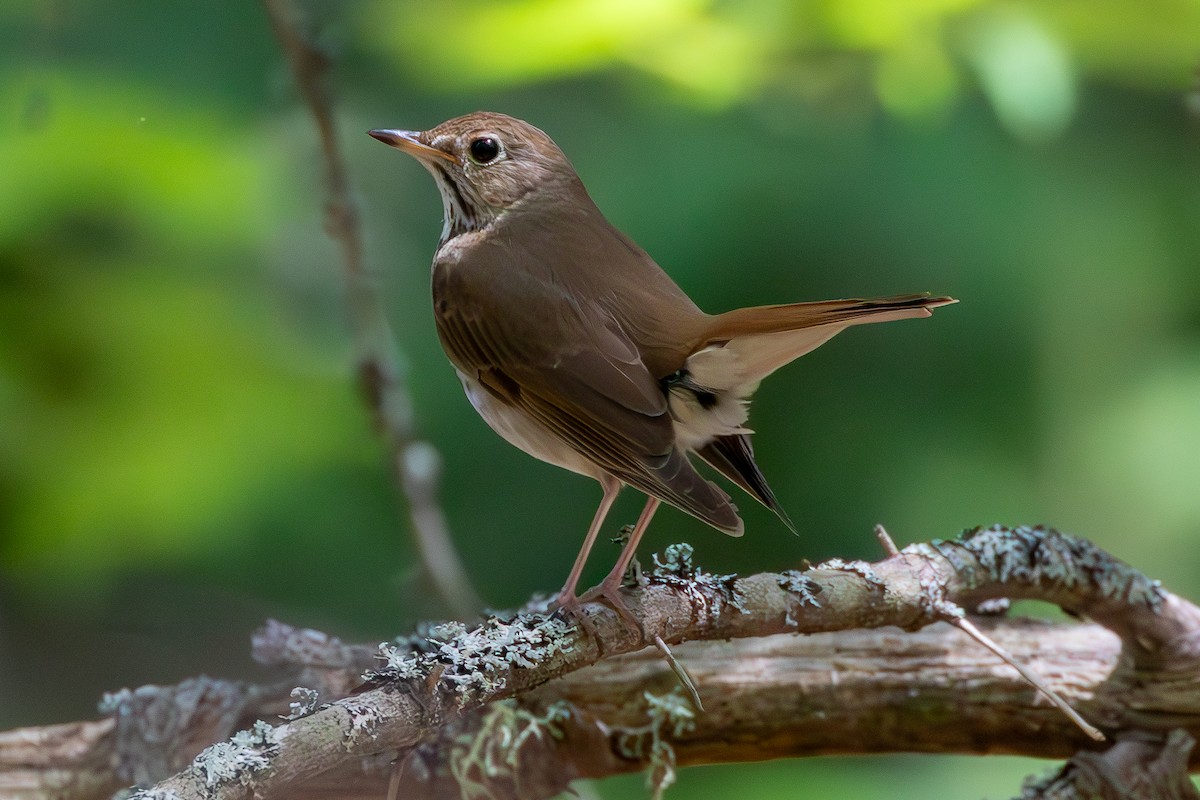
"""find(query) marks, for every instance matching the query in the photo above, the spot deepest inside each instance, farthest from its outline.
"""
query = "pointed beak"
(409, 142)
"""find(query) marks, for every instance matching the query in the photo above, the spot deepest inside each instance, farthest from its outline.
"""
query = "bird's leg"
(566, 597)
(630, 550)
(609, 588)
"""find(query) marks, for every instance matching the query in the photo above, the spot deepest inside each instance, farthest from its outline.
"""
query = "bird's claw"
(609, 593)
(569, 609)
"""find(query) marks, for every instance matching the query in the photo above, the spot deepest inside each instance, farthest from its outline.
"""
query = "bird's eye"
(485, 149)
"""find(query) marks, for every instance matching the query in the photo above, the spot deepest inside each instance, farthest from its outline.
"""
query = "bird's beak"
(409, 142)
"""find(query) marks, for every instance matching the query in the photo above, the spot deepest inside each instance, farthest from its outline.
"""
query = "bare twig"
(886, 541)
(968, 627)
(685, 678)
(415, 462)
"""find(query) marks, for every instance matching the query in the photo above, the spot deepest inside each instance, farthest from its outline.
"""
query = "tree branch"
(416, 463)
(443, 702)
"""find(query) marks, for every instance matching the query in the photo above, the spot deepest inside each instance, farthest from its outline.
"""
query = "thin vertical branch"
(416, 463)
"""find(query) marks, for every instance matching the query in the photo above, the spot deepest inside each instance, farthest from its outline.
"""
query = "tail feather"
(797, 316)
(760, 340)
(733, 457)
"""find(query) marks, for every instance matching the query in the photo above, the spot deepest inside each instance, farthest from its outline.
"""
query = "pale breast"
(516, 428)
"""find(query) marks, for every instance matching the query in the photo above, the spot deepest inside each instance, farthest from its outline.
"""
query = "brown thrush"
(577, 348)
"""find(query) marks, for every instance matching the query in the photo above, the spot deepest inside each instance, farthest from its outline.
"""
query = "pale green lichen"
(246, 753)
(476, 662)
(860, 568)
(399, 664)
(1039, 555)
(676, 560)
(633, 573)
(492, 754)
(709, 593)
(364, 722)
(804, 588)
(306, 702)
(669, 715)
(115, 703)
(995, 607)
(153, 793)
(443, 632)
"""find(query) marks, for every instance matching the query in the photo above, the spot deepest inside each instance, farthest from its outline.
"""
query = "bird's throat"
(461, 213)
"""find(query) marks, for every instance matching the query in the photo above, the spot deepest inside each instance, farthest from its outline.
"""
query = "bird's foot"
(608, 592)
(569, 608)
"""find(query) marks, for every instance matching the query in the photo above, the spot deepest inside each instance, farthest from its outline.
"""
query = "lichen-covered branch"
(457, 705)
(782, 696)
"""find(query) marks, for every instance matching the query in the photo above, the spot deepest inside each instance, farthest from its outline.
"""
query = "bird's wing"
(569, 366)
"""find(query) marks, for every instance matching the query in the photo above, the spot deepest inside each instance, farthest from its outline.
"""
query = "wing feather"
(570, 367)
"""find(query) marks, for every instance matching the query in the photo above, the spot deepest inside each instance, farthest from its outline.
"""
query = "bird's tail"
(762, 339)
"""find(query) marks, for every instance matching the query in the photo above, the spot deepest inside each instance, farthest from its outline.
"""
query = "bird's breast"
(520, 430)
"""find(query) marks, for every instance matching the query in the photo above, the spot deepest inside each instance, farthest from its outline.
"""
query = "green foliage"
(151, 391)
(915, 58)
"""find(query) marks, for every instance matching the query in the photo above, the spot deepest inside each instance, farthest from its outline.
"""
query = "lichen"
(710, 593)
(633, 573)
(306, 702)
(364, 722)
(475, 662)
(154, 723)
(669, 715)
(115, 703)
(152, 793)
(804, 588)
(995, 607)
(492, 754)
(246, 752)
(1045, 556)
(676, 560)
(860, 568)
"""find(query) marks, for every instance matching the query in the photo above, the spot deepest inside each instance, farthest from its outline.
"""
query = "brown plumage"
(577, 348)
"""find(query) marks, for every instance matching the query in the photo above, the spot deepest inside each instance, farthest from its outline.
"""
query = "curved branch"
(438, 702)
(419, 692)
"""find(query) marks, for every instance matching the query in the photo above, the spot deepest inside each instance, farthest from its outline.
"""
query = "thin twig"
(415, 462)
(681, 672)
(967, 627)
(885, 539)
(393, 792)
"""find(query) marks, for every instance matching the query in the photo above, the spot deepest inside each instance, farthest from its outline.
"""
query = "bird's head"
(484, 163)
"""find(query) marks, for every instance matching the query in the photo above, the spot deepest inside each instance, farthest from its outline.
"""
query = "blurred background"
(183, 451)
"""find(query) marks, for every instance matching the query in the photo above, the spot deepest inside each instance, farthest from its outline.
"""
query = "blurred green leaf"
(144, 393)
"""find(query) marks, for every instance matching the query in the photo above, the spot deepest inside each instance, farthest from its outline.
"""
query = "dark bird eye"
(484, 149)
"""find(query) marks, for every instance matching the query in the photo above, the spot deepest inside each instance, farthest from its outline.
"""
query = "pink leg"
(614, 578)
(611, 487)
(609, 588)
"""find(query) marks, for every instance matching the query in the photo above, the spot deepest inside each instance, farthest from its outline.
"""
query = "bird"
(576, 347)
